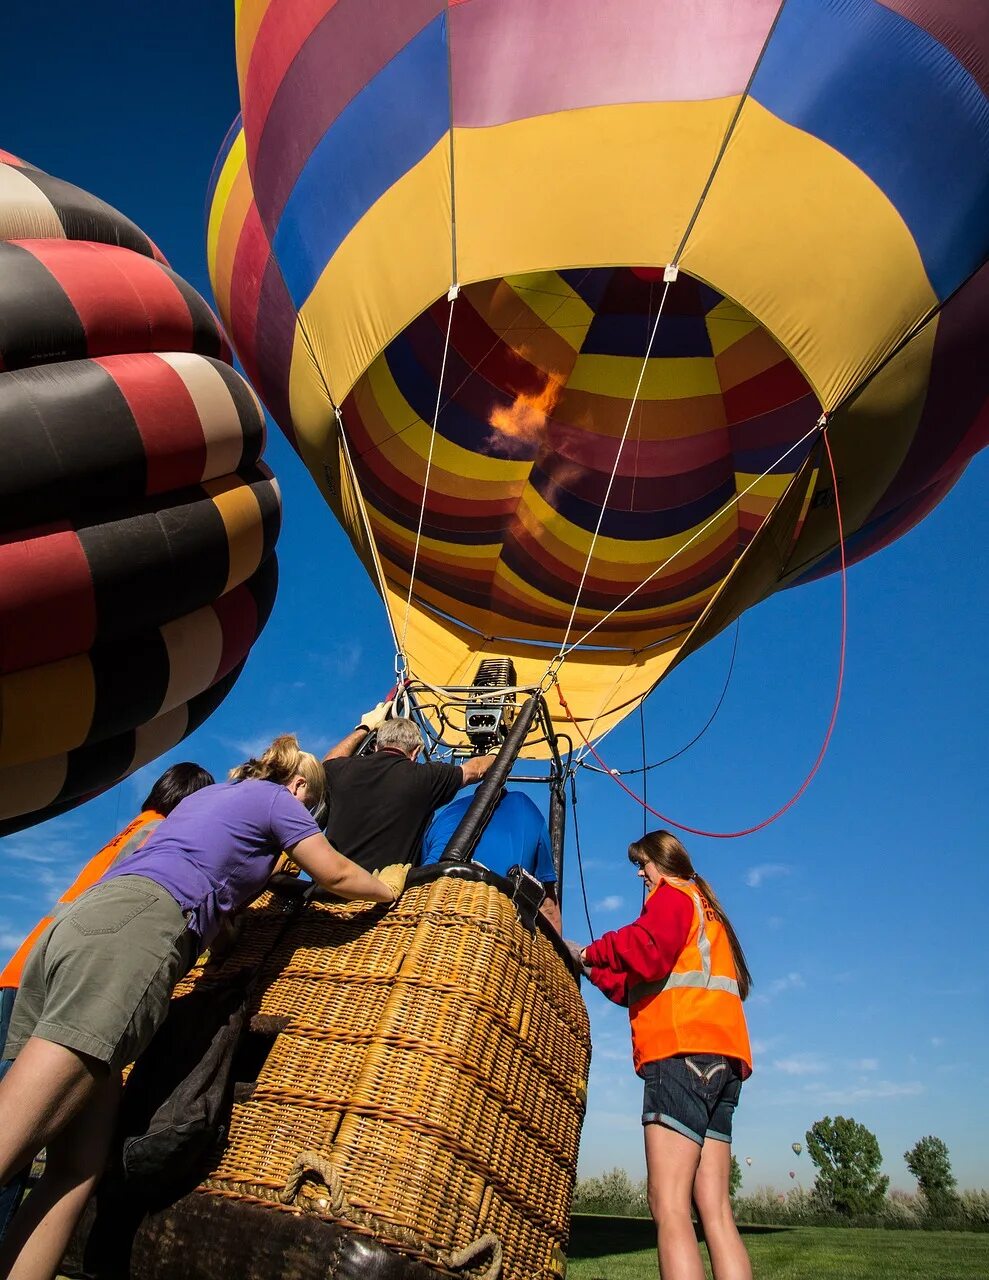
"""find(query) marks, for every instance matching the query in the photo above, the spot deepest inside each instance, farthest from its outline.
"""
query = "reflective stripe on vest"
(701, 977)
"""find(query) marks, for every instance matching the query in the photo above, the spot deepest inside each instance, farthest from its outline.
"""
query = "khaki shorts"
(100, 977)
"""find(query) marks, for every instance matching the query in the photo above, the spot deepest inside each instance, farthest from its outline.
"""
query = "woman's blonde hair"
(666, 852)
(283, 761)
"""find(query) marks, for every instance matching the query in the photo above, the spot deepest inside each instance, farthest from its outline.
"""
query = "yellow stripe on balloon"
(234, 217)
(538, 515)
(810, 246)
(233, 165)
(415, 435)
(673, 378)
(248, 15)
(492, 485)
(642, 628)
(728, 323)
(440, 548)
(29, 787)
(46, 709)
(745, 359)
(771, 486)
(241, 515)
(549, 296)
(570, 189)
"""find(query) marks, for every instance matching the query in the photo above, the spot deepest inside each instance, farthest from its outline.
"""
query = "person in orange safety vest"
(680, 970)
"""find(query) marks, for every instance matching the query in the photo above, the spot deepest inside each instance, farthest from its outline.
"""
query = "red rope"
(747, 831)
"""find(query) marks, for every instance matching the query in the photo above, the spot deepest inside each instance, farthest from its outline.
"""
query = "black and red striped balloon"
(137, 521)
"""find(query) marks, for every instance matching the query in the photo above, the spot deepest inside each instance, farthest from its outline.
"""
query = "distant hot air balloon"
(792, 1173)
(796, 1148)
(581, 444)
(748, 1159)
(137, 522)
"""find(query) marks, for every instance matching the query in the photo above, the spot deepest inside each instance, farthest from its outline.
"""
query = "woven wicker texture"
(432, 1060)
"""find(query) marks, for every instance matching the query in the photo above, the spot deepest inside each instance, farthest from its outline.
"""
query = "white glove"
(375, 718)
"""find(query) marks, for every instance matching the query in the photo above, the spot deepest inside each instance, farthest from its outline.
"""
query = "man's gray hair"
(401, 734)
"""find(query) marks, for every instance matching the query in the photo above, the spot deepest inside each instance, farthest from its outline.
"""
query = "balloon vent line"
(400, 655)
(759, 826)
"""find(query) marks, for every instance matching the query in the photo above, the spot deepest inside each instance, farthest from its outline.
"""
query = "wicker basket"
(424, 1078)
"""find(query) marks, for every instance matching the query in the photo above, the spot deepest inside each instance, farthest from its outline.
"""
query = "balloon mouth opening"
(560, 415)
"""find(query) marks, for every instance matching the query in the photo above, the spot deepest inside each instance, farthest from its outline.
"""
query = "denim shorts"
(694, 1093)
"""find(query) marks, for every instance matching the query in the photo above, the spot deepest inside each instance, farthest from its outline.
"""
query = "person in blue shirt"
(516, 835)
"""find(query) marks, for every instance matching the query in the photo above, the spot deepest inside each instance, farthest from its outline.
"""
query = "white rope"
(669, 277)
(366, 520)
(400, 654)
(815, 429)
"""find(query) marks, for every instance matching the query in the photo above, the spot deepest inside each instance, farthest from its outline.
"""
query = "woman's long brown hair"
(666, 852)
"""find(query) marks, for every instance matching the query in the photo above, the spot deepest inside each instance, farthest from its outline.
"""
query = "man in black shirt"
(380, 804)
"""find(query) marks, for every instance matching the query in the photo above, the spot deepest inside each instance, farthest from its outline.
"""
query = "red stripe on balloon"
(252, 250)
(122, 298)
(47, 607)
(238, 615)
(284, 29)
(768, 390)
(166, 417)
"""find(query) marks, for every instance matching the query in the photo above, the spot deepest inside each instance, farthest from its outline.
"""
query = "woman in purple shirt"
(96, 986)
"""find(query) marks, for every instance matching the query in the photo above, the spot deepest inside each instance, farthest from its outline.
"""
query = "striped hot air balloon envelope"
(816, 171)
(137, 521)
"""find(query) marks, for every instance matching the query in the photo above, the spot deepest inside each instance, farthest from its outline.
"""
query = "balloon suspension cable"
(759, 826)
(580, 859)
(400, 657)
(669, 276)
(379, 570)
(658, 764)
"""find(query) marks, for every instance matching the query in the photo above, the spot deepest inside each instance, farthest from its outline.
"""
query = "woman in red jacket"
(682, 974)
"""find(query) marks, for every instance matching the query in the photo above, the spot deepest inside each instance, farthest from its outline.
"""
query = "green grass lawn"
(625, 1249)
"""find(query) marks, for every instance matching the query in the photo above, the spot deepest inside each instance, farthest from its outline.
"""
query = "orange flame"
(525, 419)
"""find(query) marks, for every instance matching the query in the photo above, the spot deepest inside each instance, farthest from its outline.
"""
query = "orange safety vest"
(697, 1007)
(122, 844)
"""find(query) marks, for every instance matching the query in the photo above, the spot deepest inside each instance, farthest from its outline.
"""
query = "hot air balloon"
(137, 519)
(796, 1148)
(553, 320)
(556, 306)
(792, 1173)
(748, 1160)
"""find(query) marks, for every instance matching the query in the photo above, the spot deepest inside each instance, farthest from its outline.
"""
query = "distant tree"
(847, 1157)
(612, 1192)
(930, 1164)
(734, 1178)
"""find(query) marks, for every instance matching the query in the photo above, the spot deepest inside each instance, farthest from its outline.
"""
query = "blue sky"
(862, 910)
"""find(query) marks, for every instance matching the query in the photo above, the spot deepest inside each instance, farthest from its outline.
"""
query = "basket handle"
(485, 1249)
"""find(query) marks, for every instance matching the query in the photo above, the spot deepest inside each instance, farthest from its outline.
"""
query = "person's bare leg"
(671, 1163)
(729, 1259)
(40, 1231)
(43, 1090)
